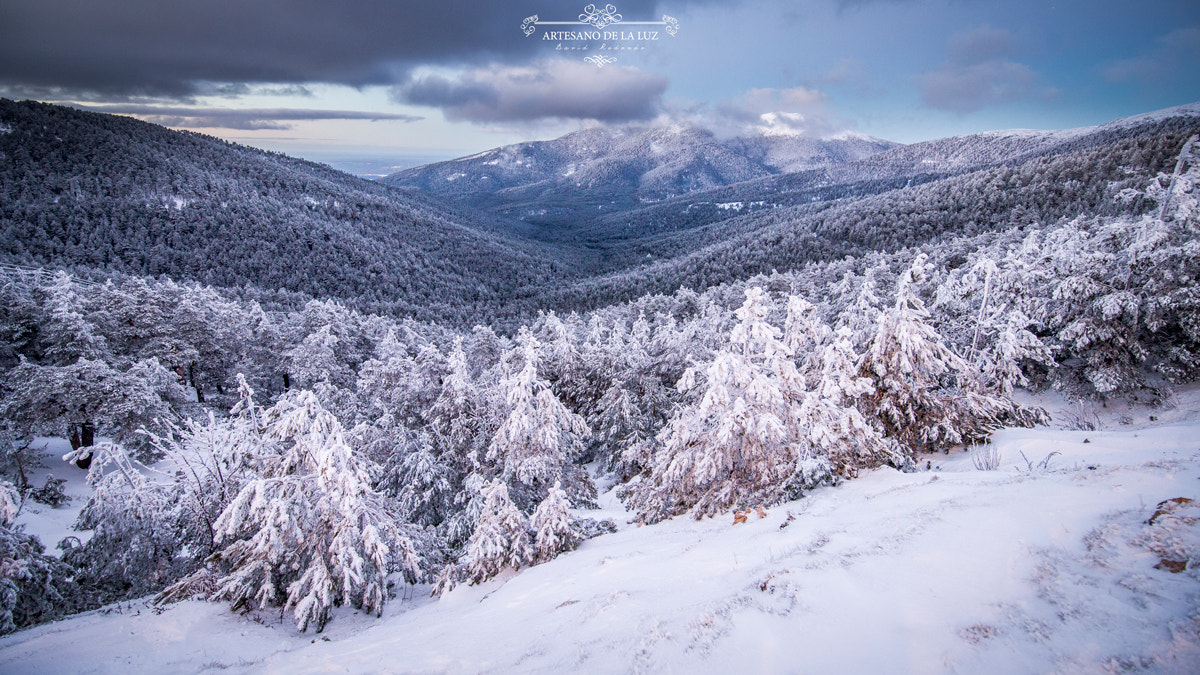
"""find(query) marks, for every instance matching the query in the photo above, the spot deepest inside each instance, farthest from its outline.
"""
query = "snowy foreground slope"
(1027, 568)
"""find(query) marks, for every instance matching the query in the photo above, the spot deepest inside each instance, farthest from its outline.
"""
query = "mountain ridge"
(594, 170)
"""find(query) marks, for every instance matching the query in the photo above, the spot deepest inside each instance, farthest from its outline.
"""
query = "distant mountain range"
(593, 185)
(588, 173)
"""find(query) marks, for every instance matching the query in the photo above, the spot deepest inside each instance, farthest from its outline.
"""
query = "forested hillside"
(84, 190)
(450, 457)
(681, 246)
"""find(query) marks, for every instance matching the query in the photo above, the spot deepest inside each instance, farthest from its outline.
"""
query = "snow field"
(949, 570)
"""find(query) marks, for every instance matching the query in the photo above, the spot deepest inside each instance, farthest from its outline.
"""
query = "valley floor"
(1046, 564)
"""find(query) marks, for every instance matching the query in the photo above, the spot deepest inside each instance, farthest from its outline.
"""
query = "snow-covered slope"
(1185, 110)
(973, 151)
(1046, 564)
(51, 524)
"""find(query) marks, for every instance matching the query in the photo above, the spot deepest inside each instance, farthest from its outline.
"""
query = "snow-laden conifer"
(54, 400)
(67, 334)
(501, 536)
(906, 361)
(424, 484)
(1002, 359)
(537, 440)
(553, 526)
(457, 414)
(307, 532)
(832, 422)
(315, 360)
(34, 587)
(926, 396)
(739, 444)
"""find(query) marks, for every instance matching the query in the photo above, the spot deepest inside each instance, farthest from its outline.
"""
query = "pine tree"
(738, 445)
(315, 360)
(1001, 363)
(539, 437)
(34, 587)
(68, 336)
(424, 485)
(501, 536)
(48, 400)
(831, 419)
(308, 532)
(456, 414)
(553, 526)
(619, 425)
(906, 361)
(926, 397)
(861, 315)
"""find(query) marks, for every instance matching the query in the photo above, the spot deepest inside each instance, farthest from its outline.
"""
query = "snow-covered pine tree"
(619, 425)
(832, 422)
(926, 397)
(456, 414)
(539, 438)
(10, 503)
(738, 445)
(211, 464)
(553, 526)
(50, 400)
(906, 361)
(424, 485)
(861, 315)
(308, 532)
(66, 334)
(1124, 293)
(398, 385)
(315, 360)
(805, 335)
(457, 529)
(151, 526)
(501, 536)
(1002, 358)
(560, 360)
(984, 307)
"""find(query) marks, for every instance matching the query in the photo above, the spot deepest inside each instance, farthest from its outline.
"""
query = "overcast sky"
(403, 82)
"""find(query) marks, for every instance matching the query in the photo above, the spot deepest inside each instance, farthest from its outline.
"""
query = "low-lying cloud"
(794, 111)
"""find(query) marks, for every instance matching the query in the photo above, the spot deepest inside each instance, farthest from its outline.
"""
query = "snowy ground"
(49, 524)
(1027, 568)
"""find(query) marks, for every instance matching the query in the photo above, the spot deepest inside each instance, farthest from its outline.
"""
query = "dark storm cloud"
(240, 118)
(542, 90)
(167, 47)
